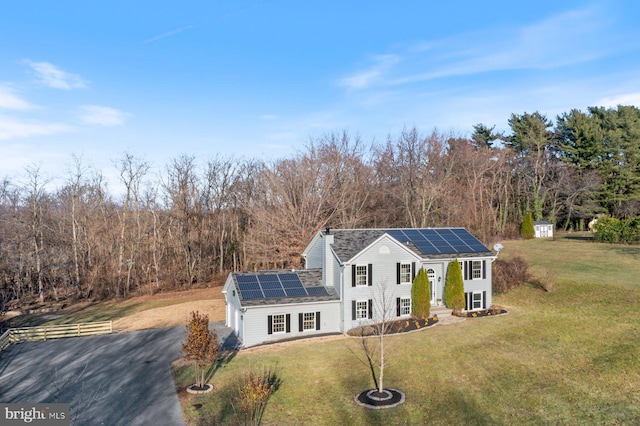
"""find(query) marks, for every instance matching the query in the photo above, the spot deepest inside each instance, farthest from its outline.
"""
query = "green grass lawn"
(569, 356)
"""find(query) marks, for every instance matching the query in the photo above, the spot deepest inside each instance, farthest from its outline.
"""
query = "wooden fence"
(29, 334)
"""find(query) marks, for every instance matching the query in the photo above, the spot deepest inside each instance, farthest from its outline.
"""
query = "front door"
(431, 274)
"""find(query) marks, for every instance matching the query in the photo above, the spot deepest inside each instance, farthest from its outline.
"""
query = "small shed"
(543, 228)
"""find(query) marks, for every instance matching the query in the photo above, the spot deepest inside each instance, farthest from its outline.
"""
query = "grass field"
(568, 356)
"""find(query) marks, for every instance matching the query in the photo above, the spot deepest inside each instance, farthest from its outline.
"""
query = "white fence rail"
(29, 334)
(4, 340)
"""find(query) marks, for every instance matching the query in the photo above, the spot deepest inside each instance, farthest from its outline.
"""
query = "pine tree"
(454, 287)
(421, 295)
(527, 230)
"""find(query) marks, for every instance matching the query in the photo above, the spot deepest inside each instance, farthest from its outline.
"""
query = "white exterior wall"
(234, 313)
(543, 231)
(314, 256)
(383, 255)
(479, 284)
(255, 320)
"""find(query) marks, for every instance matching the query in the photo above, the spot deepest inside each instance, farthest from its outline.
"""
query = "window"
(405, 306)
(361, 275)
(477, 301)
(278, 324)
(405, 273)
(362, 309)
(309, 321)
(476, 271)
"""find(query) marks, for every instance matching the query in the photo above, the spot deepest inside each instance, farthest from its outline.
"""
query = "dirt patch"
(207, 302)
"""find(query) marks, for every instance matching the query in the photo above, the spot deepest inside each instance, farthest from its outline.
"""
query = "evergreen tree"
(421, 295)
(527, 231)
(454, 287)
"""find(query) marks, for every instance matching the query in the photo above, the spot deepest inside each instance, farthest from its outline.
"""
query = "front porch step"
(440, 310)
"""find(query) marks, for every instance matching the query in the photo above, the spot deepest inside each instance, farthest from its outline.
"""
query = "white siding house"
(543, 229)
(351, 278)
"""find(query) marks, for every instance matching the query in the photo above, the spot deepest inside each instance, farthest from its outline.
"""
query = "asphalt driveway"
(116, 379)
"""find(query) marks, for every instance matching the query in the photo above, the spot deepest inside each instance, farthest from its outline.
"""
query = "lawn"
(568, 356)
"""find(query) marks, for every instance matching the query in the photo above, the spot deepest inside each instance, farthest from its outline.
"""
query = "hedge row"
(612, 230)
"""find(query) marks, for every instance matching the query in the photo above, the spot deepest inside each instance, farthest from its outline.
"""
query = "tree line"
(195, 220)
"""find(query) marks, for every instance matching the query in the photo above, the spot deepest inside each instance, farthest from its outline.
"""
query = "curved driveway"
(115, 379)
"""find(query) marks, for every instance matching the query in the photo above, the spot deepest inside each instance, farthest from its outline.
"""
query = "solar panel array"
(265, 286)
(439, 241)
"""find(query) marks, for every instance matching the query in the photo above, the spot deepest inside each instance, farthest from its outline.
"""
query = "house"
(543, 229)
(348, 274)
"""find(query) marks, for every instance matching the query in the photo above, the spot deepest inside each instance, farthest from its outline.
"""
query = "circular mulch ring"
(372, 398)
(208, 387)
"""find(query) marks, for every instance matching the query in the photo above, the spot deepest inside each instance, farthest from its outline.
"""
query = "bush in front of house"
(454, 287)
(509, 273)
(421, 295)
(527, 230)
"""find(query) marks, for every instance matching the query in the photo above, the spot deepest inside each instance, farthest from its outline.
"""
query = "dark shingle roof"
(349, 242)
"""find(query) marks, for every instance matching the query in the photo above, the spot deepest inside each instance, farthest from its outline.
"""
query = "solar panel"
(317, 291)
(270, 285)
(288, 277)
(268, 278)
(295, 292)
(249, 286)
(412, 234)
(251, 294)
(291, 284)
(274, 293)
(398, 235)
(246, 279)
(427, 248)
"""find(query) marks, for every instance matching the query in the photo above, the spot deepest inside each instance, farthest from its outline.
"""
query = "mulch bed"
(373, 399)
(483, 313)
(397, 326)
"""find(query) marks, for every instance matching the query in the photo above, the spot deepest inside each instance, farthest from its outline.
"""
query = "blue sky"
(260, 78)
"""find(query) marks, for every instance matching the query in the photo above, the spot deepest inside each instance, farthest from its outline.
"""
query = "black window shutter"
(484, 269)
(484, 300)
(370, 274)
(353, 275)
(270, 324)
(397, 306)
(300, 322)
(317, 320)
(353, 310)
(398, 273)
(466, 269)
(466, 301)
(370, 307)
(288, 323)
(413, 270)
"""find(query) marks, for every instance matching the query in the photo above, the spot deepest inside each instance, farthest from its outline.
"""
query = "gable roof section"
(282, 287)
(427, 243)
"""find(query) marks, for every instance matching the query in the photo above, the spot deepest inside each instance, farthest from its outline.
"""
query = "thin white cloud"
(168, 34)
(626, 99)
(11, 128)
(268, 117)
(102, 116)
(9, 100)
(364, 79)
(54, 77)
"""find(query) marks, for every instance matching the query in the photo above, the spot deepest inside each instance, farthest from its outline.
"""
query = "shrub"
(527, 230)
(454, 287)
(608, 230)
(509, 273)
(254, 389)
(421, 295)
(201, 345)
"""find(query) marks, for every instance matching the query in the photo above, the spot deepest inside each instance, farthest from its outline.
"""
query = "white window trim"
(402, 300)
(305, 320)
(473, 301)
(284, 324)
(366, 310)
(479, 270)
(366, 275)
(401, 273)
